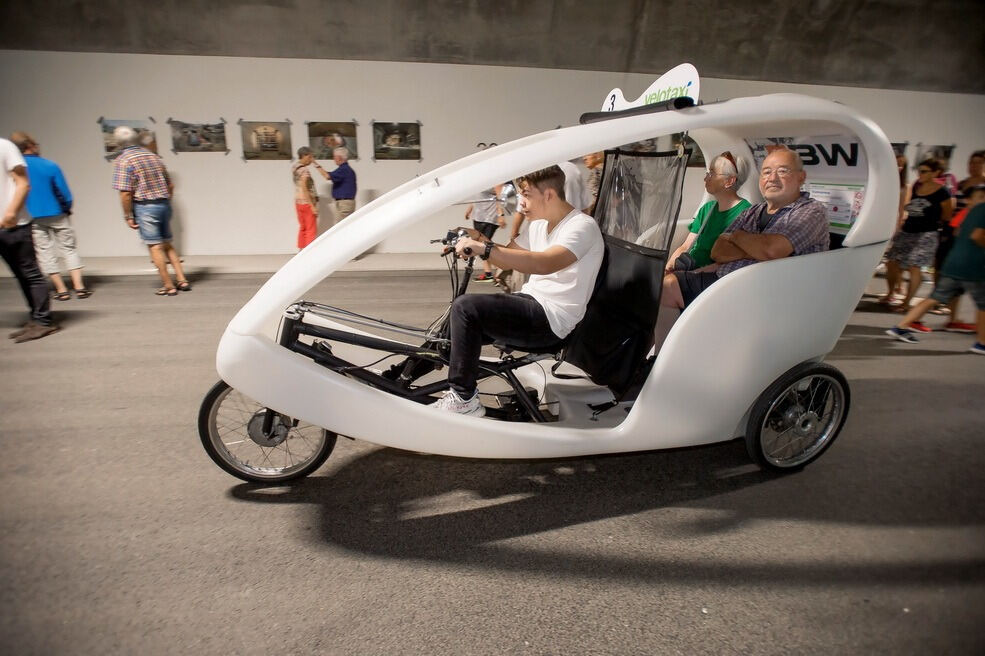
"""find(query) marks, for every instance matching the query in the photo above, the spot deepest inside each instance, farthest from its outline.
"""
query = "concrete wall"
(227, 206)
(888, 44)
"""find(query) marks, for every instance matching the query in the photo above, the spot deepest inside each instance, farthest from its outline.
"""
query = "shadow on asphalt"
(858, 342)
(398, 504)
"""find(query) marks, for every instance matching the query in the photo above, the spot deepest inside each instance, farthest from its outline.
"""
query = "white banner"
(842, 201)
(829, 158)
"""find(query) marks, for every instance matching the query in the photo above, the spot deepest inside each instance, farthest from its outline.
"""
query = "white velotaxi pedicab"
(745, 359)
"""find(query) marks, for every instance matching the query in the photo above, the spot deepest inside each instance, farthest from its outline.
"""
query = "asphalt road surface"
(120, 536)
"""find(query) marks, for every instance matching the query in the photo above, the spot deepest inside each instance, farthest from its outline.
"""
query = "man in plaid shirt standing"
(145, 193)
(788, 222)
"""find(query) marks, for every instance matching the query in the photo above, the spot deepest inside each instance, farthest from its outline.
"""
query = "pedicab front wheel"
(798, 417)
(236, 436)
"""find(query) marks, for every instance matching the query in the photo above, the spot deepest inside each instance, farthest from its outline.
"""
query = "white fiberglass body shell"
(725, 349)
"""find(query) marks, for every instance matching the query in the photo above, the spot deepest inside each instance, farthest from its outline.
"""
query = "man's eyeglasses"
(782, 171)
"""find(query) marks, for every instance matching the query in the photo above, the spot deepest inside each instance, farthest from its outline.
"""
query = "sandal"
(62, 296)
(184, 285)
(166, 291)
(82, 292)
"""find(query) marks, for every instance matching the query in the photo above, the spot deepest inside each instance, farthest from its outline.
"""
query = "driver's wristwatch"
(487, 251)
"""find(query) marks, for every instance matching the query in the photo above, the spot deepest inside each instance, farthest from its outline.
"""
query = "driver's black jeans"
(477, 319)
(17, 249)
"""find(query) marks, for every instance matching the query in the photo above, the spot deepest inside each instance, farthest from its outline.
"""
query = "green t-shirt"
(966, 261)
(717, 222)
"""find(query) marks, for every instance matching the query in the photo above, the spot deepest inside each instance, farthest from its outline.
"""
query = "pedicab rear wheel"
(230, 425)
(798, 417)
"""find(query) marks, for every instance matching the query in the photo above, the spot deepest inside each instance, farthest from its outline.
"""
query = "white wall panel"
(224, 205)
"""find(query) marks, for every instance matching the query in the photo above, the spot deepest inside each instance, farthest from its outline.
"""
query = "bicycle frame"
(433, 352)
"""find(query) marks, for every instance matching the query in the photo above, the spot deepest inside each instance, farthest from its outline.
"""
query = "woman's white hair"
(342, 152)
(740, 170)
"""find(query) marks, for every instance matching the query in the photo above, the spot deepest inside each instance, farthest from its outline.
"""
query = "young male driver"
(562, 251)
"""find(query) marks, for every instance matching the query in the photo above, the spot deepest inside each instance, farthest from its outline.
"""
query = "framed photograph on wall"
(941, 153)
(266, 139)
(144, 130)
(198, 137)
(396, 140)
(326, 136)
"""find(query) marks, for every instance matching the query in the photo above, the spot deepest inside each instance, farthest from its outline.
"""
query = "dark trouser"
(486, 229)
(17, 249)
(945, 242)
(477, 319)
(692, 283)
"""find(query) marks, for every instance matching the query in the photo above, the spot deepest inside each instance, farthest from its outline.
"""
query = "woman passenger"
(724, 177)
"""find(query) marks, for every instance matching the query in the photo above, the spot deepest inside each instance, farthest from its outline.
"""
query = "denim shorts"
(947, 289)
(153, 220)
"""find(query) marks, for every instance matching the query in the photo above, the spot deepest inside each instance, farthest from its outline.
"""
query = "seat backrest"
(611, 342)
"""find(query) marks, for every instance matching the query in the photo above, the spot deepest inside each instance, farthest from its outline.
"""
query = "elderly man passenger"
(788, 222)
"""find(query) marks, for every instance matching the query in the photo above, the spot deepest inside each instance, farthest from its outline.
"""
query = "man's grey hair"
(304, 151)
(342, 152)
(783, 148)
(126, 136)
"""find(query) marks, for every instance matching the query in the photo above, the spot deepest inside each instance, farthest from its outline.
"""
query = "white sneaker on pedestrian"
(452, 402)
(978, 348)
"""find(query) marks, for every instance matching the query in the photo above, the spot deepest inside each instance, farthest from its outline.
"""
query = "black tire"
(229, 425)
(808, 405)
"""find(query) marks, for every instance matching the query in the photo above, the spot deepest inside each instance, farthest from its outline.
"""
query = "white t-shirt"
(11, 158)
(574, 185)
(564, 294)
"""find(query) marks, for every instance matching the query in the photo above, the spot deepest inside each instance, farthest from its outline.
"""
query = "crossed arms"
(742, 245)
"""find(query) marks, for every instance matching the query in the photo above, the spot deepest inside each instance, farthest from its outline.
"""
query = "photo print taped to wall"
(396, 140)
(198, 137)
(326, 136)
(939, 152)
(144, 132)
(266, 139)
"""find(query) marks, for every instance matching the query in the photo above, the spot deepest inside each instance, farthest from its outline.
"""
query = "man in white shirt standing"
(17, 245)
(562, 251)
(575, 190)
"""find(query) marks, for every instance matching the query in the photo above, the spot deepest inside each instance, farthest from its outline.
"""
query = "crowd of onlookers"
(940, 225)
(37, 234)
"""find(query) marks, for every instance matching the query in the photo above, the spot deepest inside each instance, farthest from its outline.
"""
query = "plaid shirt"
(804, 222)
(142, 172)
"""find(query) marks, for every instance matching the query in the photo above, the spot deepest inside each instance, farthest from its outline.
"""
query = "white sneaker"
(452, 402)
